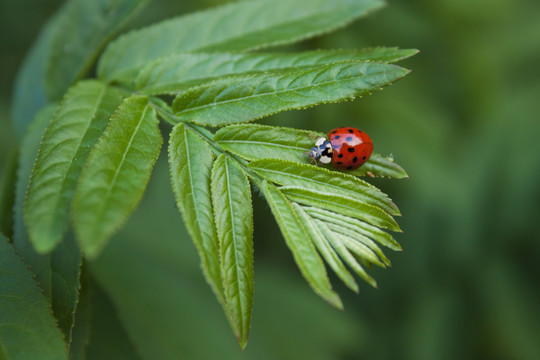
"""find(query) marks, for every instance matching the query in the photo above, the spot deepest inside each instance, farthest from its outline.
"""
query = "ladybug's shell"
(351, 147)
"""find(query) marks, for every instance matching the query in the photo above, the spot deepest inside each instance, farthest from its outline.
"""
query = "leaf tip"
(44, 244)
(242, 342)
(336, 302)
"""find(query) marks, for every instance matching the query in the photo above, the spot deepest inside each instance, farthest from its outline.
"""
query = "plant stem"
(170, 118)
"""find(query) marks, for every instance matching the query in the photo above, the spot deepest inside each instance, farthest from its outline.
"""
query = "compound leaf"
(27, 329)
(176, 73)
(190, 164)
(233, 212)
(233, 27)
(300, 242)
(116, 174)
(76, 126)
(246, 98)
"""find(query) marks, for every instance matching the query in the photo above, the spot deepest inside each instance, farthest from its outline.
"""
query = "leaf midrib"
(188, 161)
(264, 143)
(231, 212)
(92, 117)
(120, 165)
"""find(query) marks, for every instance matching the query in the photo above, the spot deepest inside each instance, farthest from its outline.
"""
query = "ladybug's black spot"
(355, 159)
(340, 156)
(360, 131)
(339, 163)
(349, 138)
(336, 137)
(350, 130)
(364, 158)
(351, 149)
(349, 168)
(335, 131)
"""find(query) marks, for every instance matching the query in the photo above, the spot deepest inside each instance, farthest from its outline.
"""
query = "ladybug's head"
(322, 151)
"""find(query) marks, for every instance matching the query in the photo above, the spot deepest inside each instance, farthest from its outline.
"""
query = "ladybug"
(347, 148)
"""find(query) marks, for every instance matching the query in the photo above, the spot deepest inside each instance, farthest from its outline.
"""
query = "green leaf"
(29, 94)
(356, 227)
(179, 72)
(64, 51)
(234, 27)
(380, 166)
(325, 249)
(82, 321)
(361, 245)
(344, 253)
(57, 273)
(64, 266)
(27, 329)
(319, 179)
(254, 142)
(358, 249)
(28, 151)
(116, 174)
(82, 30)
(342, 205)
(251, 97)
(181, 316)
(190, 163)
(299, 241)
(231, 196)
(76, 126)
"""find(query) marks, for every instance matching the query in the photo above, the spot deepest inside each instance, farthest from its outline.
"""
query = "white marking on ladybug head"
(325, 159)
(320, 141)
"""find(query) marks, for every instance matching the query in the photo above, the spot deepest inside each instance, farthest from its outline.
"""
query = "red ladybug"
(347, 149)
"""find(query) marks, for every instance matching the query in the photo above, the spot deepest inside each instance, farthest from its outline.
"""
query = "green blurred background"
(465, 124)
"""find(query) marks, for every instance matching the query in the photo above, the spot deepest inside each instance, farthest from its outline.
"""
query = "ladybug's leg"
(313, 137)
